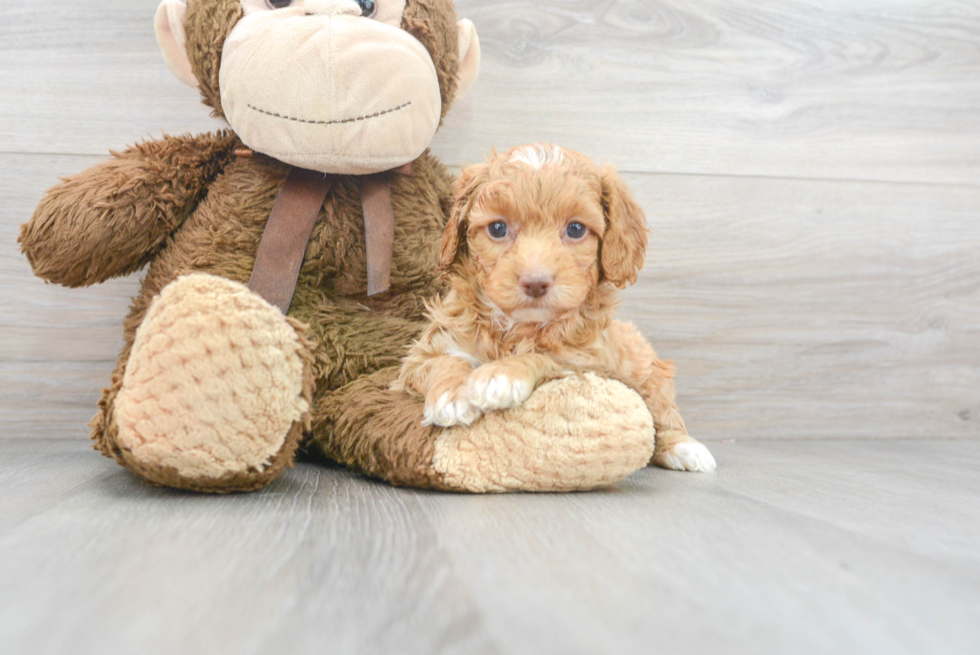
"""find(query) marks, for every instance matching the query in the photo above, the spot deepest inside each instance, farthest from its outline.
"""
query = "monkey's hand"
(113, 218)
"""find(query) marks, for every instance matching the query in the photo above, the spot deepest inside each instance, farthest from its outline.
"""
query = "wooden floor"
(792, 547)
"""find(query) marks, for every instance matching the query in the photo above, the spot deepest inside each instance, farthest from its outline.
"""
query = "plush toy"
(290, 258)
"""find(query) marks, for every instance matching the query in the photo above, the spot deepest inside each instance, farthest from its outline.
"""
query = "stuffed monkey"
(219, 384)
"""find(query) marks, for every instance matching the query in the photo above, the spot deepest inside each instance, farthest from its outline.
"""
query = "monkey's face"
(331, 85)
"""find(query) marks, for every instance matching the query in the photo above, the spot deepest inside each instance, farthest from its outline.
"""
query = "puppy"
(539, 244)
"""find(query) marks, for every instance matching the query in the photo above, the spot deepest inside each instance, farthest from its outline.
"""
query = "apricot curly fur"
(487, 328)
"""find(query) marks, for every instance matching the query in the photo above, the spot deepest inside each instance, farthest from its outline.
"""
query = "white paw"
(449, 411)
(498, 392)
(690, 456)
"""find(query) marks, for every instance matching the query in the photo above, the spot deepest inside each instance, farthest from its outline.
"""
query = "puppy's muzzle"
(536, 285)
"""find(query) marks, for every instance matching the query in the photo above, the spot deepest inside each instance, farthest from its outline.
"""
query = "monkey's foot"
(572, 434)
(215, 394)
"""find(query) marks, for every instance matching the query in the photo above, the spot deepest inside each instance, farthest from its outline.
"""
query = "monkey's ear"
(468, 188)
(169, 26)
(624, 245)
(469, 57)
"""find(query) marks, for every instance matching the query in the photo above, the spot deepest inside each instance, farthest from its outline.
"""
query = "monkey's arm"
(113, 218)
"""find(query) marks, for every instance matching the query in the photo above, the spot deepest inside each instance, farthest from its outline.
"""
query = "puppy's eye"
(368, 8)
(576, 230)
(498, 230)
(280, 4)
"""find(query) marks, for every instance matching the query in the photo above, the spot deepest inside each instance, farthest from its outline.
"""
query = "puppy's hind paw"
(449, 410)
(490, 392)
(687, 456)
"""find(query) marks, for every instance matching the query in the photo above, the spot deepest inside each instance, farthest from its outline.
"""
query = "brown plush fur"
(352, 335)
(494, 316)
(207, 25)
(187, 204)
(115, 217)
(433, 22)
(393, 443)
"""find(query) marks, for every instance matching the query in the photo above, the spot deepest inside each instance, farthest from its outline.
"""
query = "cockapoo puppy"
(538, 245)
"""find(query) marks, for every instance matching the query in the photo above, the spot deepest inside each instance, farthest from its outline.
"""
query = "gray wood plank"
(794, 309)
(809, 309)
(57, 345)
(203, 574)
(801, 547)
(39, 474)
(872, 90)
(744, 561)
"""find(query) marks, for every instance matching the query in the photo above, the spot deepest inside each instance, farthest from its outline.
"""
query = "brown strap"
(379, 226)
(379, 230)
(287, 234)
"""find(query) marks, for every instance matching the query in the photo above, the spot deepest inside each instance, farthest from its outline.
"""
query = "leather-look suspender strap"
(290, 227)
(287, 234)
(379, 230)
(379, 226)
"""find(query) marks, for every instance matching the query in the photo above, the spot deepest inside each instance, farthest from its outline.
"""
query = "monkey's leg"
(215, 394)
(572, 433)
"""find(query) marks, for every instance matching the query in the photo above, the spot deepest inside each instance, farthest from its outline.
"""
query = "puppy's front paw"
(448, 409)
(687, 456)
(492, 387)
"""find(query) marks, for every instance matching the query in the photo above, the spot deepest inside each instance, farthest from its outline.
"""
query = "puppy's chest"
(598, 353)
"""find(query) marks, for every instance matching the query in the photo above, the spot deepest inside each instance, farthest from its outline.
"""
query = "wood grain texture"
(870, 90)
(793, 309)
(802, 309)
(803, 547)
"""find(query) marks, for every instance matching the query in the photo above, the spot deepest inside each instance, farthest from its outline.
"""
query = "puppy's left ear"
(624, 245)
(468, 187)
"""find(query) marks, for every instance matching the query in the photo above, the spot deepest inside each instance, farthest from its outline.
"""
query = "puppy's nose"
(536, 286)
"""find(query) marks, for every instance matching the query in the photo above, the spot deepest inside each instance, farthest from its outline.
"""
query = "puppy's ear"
(468, 187)
(624, 245)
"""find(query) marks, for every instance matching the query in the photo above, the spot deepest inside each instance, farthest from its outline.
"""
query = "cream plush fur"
(348, 59)
(323, 131)
(561, 439)
(214, 383)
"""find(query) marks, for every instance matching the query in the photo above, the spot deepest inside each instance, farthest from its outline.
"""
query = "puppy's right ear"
(624, 245)
(468, 188)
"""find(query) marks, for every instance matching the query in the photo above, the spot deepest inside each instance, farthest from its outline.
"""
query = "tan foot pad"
(575, 433)
(214, 384)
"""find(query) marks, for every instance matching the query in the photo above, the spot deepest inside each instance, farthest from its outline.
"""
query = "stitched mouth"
(365, 117)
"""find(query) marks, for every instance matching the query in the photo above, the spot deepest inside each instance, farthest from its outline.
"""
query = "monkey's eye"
(280, 4)
(498, 230)
(368, 8)
(576, 230)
